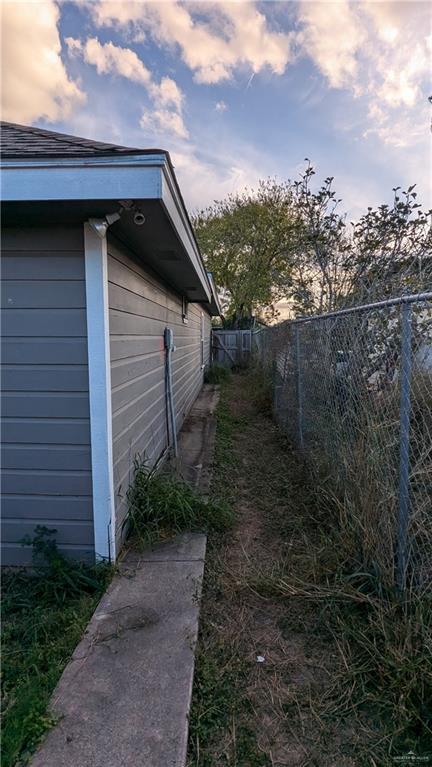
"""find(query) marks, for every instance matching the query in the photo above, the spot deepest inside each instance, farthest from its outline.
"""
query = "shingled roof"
(24, 141)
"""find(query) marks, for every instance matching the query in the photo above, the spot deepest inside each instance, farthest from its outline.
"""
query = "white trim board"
(178, 217)
(96, 273)
(50, 183)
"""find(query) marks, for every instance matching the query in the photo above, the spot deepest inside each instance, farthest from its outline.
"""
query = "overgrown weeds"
(161, 505)
(219, 705)
(216, 373)
(44, 614)
(220, 726)
(383, 680)
(385, 652)
(259, 387)
(347, 677)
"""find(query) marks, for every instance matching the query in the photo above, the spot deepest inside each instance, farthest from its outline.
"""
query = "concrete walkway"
(196, 440)
(124, 698)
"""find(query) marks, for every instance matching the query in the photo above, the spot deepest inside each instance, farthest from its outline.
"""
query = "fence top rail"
(410, 299)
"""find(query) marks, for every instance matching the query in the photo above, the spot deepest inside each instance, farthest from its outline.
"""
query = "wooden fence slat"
(236, 345)
(227, 351)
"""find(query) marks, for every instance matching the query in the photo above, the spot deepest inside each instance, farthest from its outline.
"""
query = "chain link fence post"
(299, 388)
(404, 444)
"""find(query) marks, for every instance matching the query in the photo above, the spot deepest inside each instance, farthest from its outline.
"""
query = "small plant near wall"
(216, 373)
(161, 505)
(58, 577)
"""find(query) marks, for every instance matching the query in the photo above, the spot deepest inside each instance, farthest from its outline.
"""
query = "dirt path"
(259, 657)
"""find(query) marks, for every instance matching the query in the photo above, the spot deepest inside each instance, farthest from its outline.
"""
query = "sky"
(236, 91)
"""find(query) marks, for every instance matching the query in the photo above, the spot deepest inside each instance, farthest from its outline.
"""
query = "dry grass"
(347, 673)
(262, 714)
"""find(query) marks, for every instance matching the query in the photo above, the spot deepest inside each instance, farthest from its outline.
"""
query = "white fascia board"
(215, 297)
(177, 214)
(98, 178)
(99, 370)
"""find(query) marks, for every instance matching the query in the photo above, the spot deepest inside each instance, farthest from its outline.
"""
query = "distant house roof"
(27, 141)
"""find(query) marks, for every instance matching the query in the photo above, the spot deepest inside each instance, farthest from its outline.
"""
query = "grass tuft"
(217, 373)
(218, 699)
(161, 505)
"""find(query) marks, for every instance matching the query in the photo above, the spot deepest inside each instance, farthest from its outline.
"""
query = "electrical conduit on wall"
(170, 348)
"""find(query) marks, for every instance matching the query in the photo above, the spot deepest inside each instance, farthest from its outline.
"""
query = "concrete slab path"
(197, 438)
(124, 698)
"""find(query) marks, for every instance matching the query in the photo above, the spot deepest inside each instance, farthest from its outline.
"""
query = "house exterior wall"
(140, 308)
(46, 460)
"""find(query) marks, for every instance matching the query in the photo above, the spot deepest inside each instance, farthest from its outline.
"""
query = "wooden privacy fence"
(232, 347)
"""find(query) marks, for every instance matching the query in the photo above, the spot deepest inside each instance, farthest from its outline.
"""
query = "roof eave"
(143, 176)
(214, 303)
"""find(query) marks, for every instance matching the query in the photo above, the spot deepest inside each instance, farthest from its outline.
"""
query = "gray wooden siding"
(140, 308)
(46, 462)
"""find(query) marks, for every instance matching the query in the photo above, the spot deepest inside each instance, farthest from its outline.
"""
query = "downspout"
(99, 361)
(99, 393)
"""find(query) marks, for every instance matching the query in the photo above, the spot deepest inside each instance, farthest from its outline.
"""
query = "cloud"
(111, 59)
(124, 62)
(380, 51)
(168, 93)
(362, 45)
(331, 36)
(214, 39)
(403, 59)
(161, 121)
(397, 130)
(220, 106)
(35, 83)
(205, 178)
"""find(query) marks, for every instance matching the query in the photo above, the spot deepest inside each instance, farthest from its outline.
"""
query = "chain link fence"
(353, 391)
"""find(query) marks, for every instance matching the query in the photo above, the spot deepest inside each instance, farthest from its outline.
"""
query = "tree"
(322, 275)
(249, 241)
(386, 253)
(286, 240)
(392, 249)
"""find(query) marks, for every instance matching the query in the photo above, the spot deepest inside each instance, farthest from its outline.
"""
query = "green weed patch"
(217, 373)
(44, 614)
(161, 505)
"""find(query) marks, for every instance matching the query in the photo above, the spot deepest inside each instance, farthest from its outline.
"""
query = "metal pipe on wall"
(170, 348)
